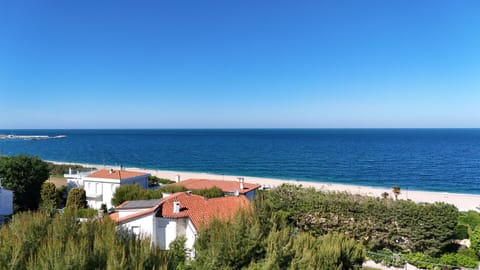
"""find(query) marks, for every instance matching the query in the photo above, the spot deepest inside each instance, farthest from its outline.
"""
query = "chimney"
(70, 170)
(176, 207)
(177, 178)
(188, 192)
(110, 171)
(241, 180)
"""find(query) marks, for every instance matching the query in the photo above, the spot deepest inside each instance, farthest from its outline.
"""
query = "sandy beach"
(463, 202)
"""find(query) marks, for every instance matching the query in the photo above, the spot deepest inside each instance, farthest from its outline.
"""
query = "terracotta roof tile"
(226, 185)
(201, 210)
(115, 174)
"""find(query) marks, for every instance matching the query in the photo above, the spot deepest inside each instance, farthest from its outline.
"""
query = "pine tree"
(48, 197)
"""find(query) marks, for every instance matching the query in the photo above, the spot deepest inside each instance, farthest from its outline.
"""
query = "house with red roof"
(101, 185)
(229, 188)
(181, 214)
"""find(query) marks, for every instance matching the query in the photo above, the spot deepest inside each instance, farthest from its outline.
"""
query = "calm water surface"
(421, 159)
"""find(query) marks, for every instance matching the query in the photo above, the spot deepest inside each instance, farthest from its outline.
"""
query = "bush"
(387, 257)
(455, 259)
(154, 181)
(134, 192)
(77, 198)
(461, 231)
(60, 169)
(24, 175)
(213, 192)
(470, 219)
(38, 241)
(48, 197)
(172, 189)
(421, 260)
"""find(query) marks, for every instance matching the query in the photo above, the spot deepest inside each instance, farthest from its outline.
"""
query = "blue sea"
(446, 160)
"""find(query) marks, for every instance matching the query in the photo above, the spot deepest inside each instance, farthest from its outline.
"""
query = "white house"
(181, 214)
(101, 185)
(75, 179)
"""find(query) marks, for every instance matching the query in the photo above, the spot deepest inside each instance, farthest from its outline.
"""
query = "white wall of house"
(126, 212)
(191, 235)
(101, 190)
(166, 232)
(142, 226)
(162, 231)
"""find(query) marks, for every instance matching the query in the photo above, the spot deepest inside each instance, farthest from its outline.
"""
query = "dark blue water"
(418, 159)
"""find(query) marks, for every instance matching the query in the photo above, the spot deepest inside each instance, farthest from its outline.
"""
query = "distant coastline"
(30, 137)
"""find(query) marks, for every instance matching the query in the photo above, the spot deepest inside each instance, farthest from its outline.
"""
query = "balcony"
(95, 197)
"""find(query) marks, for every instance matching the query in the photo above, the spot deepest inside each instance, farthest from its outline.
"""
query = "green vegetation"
(282, 248)
(135, 192)
(376, 223)
(213, 192)
(155, 181)
(172, 189)
(62, 194)
(470, 219)
(57, 170)
(38, 241)
(24, 175)
(77, 198)
(48, 197)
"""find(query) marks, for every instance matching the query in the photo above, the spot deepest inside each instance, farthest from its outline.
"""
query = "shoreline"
(462, 201)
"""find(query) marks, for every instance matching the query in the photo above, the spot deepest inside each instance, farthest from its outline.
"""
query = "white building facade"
(101, 185)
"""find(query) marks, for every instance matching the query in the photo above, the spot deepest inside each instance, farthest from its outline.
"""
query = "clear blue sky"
(194, 64)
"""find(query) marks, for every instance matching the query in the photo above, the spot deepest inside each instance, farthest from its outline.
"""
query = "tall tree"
(77, 198)
(24, 175)
(48, 197)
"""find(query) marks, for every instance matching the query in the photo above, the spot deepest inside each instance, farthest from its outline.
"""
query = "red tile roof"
(199, 209)
(115, 174)
(226, 185)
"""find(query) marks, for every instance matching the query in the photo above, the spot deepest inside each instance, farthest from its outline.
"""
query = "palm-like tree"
(396, 191)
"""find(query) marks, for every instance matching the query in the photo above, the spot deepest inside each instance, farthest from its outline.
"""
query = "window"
(135, 230)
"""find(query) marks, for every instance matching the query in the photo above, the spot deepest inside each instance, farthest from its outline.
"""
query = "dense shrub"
(282, 248)
(38, 241)
(24, 175)
(377, 223)
(213, 192)
(60, 169)
(471, 219)
(48, 197)
(455, 259)
(421, 260)
(134, 192)
(77, 198)
(155, 181)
